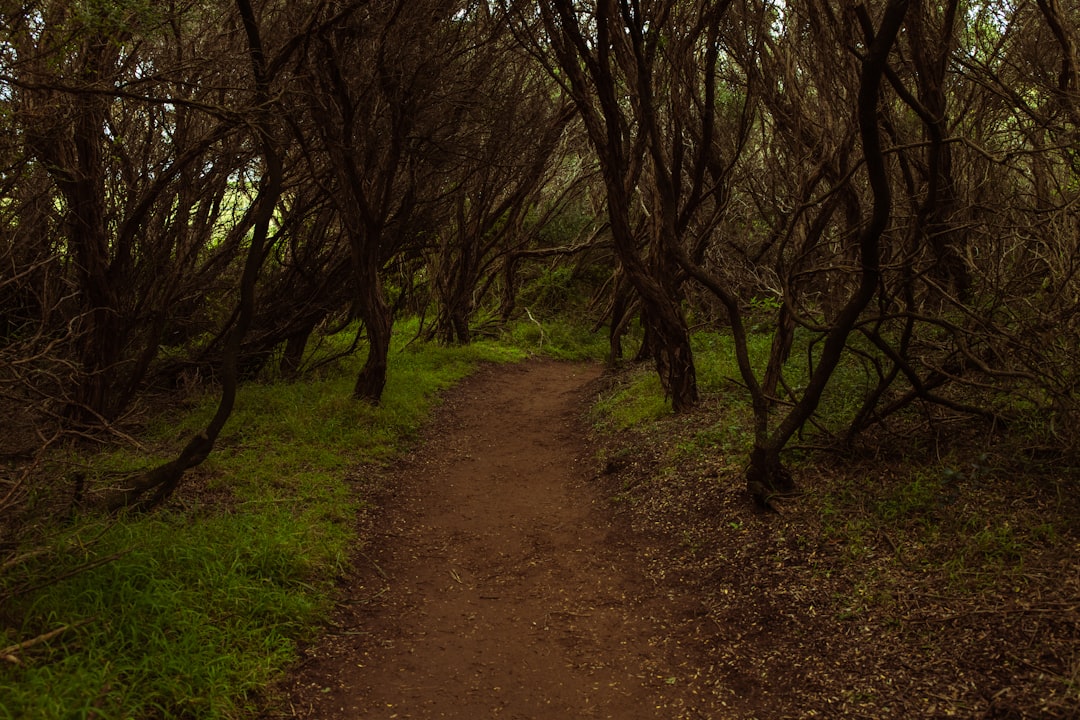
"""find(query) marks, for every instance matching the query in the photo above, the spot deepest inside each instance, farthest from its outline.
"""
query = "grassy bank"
(190, 611)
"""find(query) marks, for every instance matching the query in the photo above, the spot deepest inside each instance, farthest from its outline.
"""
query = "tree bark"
(595, 78)
(766, 473)
(164, 479)
(377, 317)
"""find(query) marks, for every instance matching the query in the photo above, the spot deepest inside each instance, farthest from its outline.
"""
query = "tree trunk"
(459, 322)
(164, 479)
(936, 219)
(674, 358)
(779, 352)
(667, 337)
(622, 308)
(293, 354)
(766, 474)
(378, 323)
(456, 307)
(509, 288)
(599, 96)
(74, 156)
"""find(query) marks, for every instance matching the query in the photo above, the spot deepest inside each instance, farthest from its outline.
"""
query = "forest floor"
(508, 572)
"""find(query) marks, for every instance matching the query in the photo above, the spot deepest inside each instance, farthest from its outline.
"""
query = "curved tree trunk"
(164, 479)
(598, 80)
(456, 306)
(293, 355)
(936, 221)
(71, 145)
(619, 319)
(766, 473)
(670, 345)
(377, 317)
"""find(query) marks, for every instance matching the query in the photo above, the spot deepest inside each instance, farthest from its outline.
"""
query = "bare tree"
(131, 171)
(376, 126)
(608, 57)
(162, 481)
(510, 149)
(645, 78)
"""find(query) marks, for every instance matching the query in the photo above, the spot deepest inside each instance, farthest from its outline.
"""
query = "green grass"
(205, 601)
(557, 337)
(717, 368)
(637, 400)
(188, 621)
(639, 397)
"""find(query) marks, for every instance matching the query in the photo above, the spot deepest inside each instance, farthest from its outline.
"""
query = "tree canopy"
(200, 188)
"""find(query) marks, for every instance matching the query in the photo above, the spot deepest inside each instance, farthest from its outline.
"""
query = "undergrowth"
(556, 337)
(192, 610)
(637, 398)
(932, 538)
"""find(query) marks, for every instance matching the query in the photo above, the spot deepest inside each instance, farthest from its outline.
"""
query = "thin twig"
(8, 653)
(540, 346)
(374, 565)
(20, 559)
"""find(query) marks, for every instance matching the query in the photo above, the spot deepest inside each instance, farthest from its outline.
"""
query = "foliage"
(556, 336)
(714, 357)
(551, 289)
(636, 399)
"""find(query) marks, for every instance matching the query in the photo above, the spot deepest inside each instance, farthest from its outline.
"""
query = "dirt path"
(498, 584)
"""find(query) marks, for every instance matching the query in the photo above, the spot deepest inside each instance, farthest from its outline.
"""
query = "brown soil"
(498, 583)
(511, 573)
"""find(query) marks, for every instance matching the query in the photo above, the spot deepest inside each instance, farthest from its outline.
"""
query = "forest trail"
(497, 582)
